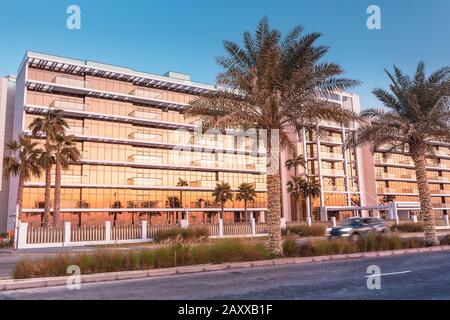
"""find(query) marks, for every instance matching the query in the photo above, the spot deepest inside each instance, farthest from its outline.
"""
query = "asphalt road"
(412, 276)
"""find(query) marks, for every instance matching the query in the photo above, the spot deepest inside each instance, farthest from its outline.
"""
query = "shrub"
(306, 231)
(182, 234)
(171, 256)
(408, 227)
(290, 248)
(446, 240)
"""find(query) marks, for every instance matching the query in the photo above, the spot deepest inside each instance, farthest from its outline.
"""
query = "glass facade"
(136, 145)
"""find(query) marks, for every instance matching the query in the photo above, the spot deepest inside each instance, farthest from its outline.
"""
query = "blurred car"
(354, 228)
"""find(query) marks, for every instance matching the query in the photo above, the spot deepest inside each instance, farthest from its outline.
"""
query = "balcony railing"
(332, 155)
(145, 93)
(74, 130)
(386, 175)
(68, 105)
(145, 159)
(145, 136)
(333, 172)
(205, 162)
(203, 184)
(334, 188)
(71, 82)
(72, 179)
(407, 176)
(410, 190)
(389, 190)
(331, 139)
(145, 115)
(149, 182)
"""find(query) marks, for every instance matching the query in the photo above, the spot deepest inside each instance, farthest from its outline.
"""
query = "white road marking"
(387, 274)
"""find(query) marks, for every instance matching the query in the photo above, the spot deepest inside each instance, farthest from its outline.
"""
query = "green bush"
(372, 242)
(171, 256)
(445, 241)
(408, 227)
(182, 234)
(306, 231)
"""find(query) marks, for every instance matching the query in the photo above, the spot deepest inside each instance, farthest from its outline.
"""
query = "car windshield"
(352, 222)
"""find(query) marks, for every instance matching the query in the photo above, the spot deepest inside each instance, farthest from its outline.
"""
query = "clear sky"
(186, 35)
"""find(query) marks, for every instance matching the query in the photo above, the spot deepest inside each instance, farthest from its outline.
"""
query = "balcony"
(259, 185)
(145, 136)
(145, 159)
(332, 172)
(385, 175)
(75, 130)
(332, 139)
(71, 179)
(145, 93)
(388, 190)
(410, 190)
(68, 105)
(334, 188)
(332, 155)
(205, 163)
(203, 184)
(407, 176)
(406, 161)
(148, 182)
(151, 115)
(438, 178)
(441, 153)
(439, 191)
(71, 82)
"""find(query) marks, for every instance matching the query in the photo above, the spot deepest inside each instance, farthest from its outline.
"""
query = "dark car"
(354, 228)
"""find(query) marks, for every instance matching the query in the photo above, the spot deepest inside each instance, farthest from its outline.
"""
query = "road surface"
(412, 276)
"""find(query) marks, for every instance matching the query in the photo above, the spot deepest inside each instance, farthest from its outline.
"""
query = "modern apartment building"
(141, 157)
(337, 169)
(7, 96)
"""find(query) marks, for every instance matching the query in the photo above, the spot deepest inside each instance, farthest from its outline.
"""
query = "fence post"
(309, 220)
(22, 235)
(283, 223)
(220, 227)
(184, 223)
(108, 231)
(446, 220)
(252, 221)
(144, 229)
(333, 221)
(67, 231)
(414, 218)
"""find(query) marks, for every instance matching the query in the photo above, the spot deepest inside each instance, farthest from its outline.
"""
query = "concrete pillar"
(283, 223)
(446, 220)
(220, 227)
(67, 233)
(144, 229)
(184, 223)
(414, 218)
(252, 221)
(323, 214)
(333, 221)
(107, 230)
(22, 235)
(262, 217)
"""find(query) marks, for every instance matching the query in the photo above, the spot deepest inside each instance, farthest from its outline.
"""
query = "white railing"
(68, 236)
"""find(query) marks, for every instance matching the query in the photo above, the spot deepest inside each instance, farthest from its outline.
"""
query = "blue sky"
(158, 36)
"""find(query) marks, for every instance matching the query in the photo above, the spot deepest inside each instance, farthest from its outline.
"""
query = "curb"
(6, 285)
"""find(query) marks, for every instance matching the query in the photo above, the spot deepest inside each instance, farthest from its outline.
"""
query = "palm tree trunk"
(57, 192)
(79, 219)
(426, 210)
(20, 195)
(48, 182)
(274, 213)
(245, 210)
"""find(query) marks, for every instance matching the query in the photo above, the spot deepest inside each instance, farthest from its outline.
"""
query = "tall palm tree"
(416, 115)
(246, 193)
(50, 125)
(276, 85)
(222, 193)
(22, 163)
(307, 189)
(66, 153)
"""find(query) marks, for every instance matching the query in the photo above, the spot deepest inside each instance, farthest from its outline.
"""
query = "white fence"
(68, 236)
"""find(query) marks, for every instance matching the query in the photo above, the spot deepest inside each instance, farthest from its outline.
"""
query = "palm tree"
(292, 187)
(182, 183)
(172, 202)
(51, 125)
(276, 85)
(66, 153)
(417, 115)
(246, 193)
(222, 193)
(305, 189)
(22, 163)
(116, 205)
